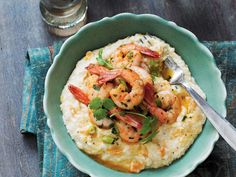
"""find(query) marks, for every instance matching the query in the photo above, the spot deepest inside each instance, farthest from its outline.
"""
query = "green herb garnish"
(122, 113)
(148, 124)
(101, 107)
(95, 103)
(154, 68)
(100, 113)
(102, 61)
(108, 104)
(97, 88)
(158, 102)
(114, 130)
(108, 139)
(184, 118)
(149, 137)
(135, 113)
(124, 83)
(130, 55)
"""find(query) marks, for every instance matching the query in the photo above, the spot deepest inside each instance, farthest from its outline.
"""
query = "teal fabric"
(222, 161)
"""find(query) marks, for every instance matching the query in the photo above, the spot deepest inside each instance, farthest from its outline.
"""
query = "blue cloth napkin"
(221, 163)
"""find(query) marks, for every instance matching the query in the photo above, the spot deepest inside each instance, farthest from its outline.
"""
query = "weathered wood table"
(21, 27)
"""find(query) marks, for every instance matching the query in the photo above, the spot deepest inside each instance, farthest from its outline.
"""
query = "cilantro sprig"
(101, 107)
(102, 61)
(149, 137)
(149, 125)
(108, 104)
(95, 103)
(100, 113)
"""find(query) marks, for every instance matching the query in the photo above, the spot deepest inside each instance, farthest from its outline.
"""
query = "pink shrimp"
(131, 120)
(162, 115)
(143, 50)
(79, 94)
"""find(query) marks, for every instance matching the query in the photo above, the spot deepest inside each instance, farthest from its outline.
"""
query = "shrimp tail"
(149, 102)
(108, 76)
(149, 94)
(147, 52)
(132, 120)
(96, 69)
(158, 113)
(79, 94)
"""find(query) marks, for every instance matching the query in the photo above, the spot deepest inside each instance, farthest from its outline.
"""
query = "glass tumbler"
(64, 17)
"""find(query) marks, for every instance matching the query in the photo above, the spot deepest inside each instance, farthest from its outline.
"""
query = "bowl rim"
(215, 136)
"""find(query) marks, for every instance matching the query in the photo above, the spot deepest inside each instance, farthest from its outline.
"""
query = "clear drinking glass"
(64, 17)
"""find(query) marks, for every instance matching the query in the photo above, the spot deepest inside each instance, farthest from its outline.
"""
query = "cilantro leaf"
(95, 103)
(100, 113)
(103, 62)
(97, 88)
(108, 103)
(146, 126)
(149, 137)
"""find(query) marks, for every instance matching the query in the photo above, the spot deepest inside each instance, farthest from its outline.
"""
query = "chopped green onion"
(91, 129)
(154, 68)
(108, 139)
(95, 103)
(124, 83)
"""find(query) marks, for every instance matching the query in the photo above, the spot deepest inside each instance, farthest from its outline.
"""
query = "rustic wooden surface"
(22, 28)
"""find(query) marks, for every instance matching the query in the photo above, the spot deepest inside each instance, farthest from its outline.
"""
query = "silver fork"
(225, 129)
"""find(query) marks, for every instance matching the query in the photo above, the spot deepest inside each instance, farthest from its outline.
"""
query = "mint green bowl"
(98, 34)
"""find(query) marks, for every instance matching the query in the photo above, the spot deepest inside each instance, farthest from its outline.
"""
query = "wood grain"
(21, 28)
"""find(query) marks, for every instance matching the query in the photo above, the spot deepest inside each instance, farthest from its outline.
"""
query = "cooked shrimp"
(124, 99)
(122, 59)
(127, 133)
(104, 73)
(170, 102)
(96, 69)
(162, 85)
(143, 74)
(94, 90)
(79, 94)
(132, 120)
(143, 50)
(83, 97)
(131, 55)
(105, 123)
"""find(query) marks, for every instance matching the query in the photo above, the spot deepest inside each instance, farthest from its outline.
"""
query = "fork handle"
(225, 129)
